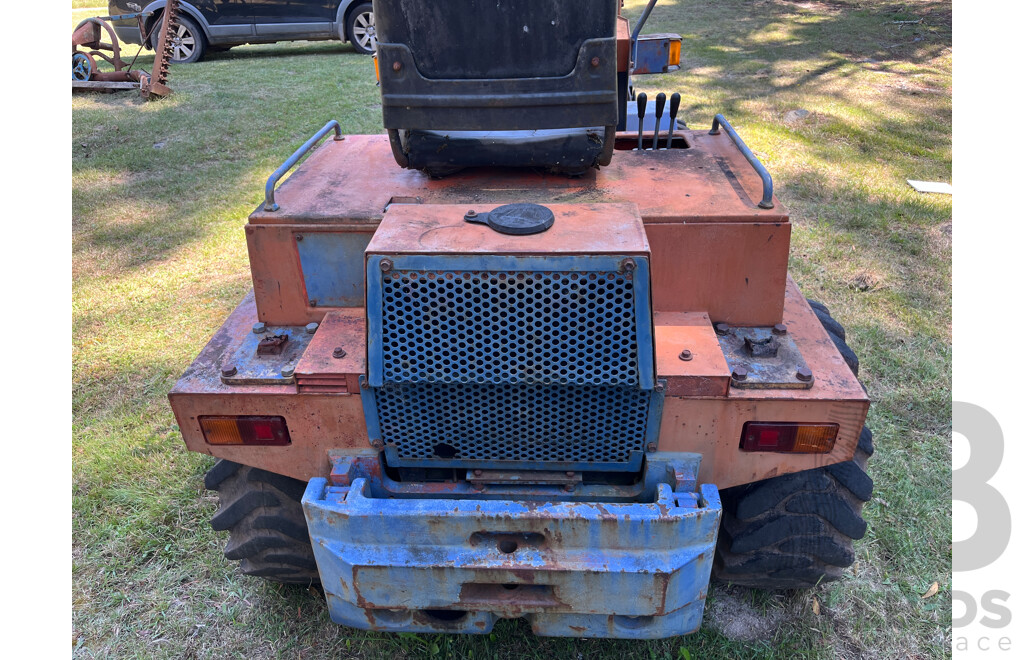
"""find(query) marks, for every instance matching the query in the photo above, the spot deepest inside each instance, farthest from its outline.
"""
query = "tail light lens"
(791, 437)
(245, 430)
(675, 48)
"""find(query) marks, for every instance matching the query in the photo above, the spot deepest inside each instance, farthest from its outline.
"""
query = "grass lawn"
(161, 191)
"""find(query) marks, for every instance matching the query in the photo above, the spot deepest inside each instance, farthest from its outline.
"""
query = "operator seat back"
(498, 82)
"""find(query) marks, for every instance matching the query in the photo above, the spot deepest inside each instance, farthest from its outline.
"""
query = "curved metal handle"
(269, 204)
(766, 179)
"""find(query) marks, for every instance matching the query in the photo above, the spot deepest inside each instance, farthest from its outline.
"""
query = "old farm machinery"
(534, 353)
(88, 48)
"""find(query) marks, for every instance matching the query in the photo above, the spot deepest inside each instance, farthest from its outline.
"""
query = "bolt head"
(780, 329)
(376, 443)
(259, 328)
(628, 265)
(228, 371)
(311, 327)
(396, 66)
(570, 473)
(739, 373)
(385, 265)
(288, 372)
(312, 303)
(686, 355)
(478, 472)
(298, 237)
(470, 213)
(804, 374)
(722, 329)
(339, 352)
(652, 447)
(594, 61)
(569, 488)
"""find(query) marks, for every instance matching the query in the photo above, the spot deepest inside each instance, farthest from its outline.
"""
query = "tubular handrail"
(269, 204)
(766, 178)
(636, 32)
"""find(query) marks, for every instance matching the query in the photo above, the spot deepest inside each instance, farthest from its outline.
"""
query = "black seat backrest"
(497, 65)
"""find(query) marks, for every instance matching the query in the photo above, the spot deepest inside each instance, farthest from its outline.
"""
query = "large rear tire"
(263, 513)
(797, 530)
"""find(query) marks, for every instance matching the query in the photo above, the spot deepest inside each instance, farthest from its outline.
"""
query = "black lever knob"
(673, 110)
(659, 111)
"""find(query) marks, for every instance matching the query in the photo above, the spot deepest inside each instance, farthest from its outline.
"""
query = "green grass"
(159, 260)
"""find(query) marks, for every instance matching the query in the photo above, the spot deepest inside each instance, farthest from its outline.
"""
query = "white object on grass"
(931, 187)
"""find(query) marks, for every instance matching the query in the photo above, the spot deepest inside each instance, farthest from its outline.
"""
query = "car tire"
(188, 42)
(797, 530)
(262, 511)
(361, 29)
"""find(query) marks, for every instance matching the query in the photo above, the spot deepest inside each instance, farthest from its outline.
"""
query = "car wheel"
(188, 44)
(361, 29)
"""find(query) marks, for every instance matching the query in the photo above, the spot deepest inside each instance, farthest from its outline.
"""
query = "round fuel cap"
(519, 219)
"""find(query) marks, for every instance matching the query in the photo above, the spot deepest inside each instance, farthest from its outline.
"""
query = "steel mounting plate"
(763, 371)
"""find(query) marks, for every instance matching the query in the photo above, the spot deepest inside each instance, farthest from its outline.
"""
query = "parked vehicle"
(206, 25)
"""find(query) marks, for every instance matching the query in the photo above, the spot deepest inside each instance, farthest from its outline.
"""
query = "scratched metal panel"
(332, 267)
(580, 569)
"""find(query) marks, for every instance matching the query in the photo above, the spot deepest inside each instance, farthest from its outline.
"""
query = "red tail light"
(245, 430)
(791, 437)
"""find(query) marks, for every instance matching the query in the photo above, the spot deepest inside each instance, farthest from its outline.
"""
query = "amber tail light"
(245, 430)
(791, 437)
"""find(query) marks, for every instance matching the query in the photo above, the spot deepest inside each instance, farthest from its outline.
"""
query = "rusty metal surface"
(703, 372)
(578, 569)
(354, 180)
(316, 422)
(712, 248)
(580, 229)
(88, 35)
(761, 358)
(713, 426)
(325, 368)
(709, 425)
(267, 358)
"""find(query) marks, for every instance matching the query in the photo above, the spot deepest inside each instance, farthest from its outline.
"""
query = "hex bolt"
(739, 373)
(259, 328)
(287, 372)
(804, 374)
(228, 371)
(686, 355)
(652, 447)
(570, 473)
(376, 443)
(470, 214)
(722, 329)
(397, 66)
(385, 265)
(569, 488)
(595, 61)
(478, 472)
(298, 237)
(339, 352)
(780, 329)
(312, 302)
(659, 387)
(311, 328)
(628, 265)
(365, 385)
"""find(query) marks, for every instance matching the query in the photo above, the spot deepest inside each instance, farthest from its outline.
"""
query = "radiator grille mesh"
(593, 424)
(509, 327)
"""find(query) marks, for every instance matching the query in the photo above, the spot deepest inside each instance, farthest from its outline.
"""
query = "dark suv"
(206, 25)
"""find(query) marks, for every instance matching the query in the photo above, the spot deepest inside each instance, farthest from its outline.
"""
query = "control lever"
(641, 110)
(673, 110)
(659, 111)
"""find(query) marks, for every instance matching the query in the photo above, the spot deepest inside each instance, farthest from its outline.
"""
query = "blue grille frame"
(572, 264)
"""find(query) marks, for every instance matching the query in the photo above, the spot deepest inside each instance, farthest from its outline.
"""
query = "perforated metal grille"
(509, 327)
(602, 424)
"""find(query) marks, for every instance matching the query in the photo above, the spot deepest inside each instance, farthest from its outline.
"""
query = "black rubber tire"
(188, 28)
(263, 513)
(797, 530)
(369, 45)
